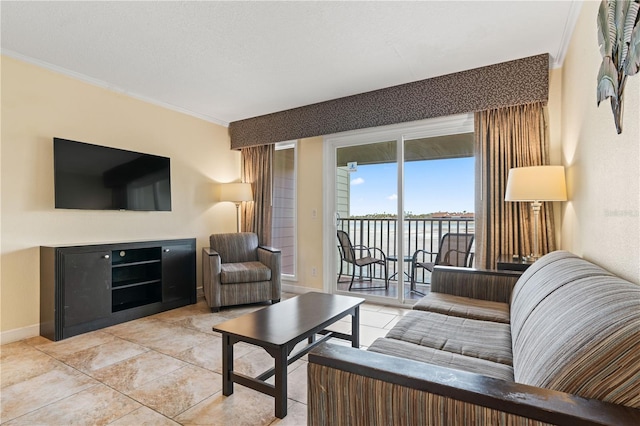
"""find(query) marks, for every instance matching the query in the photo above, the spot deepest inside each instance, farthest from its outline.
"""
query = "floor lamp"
(236, 193)
(536, 184)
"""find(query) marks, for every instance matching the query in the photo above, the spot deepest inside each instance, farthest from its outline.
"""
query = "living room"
(600, 222)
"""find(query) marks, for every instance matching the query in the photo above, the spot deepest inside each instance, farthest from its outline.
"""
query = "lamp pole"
(236, 192)
(536, 218)
(238, 216)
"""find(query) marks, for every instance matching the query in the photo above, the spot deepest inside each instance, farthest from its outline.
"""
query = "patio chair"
(454, 250)
(348, 255)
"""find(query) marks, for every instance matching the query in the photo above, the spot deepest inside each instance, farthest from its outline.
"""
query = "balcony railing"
(419, 234)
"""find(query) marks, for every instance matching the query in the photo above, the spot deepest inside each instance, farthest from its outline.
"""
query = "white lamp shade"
(236, 192)
(538, 183)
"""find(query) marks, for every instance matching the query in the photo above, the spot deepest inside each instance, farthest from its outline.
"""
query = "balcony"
(419, 234)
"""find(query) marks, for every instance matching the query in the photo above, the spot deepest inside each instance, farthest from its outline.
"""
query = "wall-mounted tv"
(94, 177)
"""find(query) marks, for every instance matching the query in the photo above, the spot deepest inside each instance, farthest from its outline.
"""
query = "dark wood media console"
(88, 287)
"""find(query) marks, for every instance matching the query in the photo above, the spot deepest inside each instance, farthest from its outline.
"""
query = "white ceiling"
(226, 61)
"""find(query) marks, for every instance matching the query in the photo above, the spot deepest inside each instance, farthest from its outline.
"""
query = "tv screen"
(97, 177)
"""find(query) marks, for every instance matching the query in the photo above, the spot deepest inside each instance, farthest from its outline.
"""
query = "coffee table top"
(286, 321)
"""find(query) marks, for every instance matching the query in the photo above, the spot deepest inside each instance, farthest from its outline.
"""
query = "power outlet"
(314, 271)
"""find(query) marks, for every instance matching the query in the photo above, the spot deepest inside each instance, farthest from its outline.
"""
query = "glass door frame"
(441, 126)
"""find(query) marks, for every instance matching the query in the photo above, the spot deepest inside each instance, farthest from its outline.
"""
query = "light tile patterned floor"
(159, 370)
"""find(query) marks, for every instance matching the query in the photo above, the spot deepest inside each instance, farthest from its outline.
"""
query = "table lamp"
(536, 184)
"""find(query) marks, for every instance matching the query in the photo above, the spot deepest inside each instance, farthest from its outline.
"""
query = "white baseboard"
(290, 288)
(14, 335)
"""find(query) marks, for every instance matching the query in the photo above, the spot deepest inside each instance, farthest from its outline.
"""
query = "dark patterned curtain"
(506, 138)
(256, 170)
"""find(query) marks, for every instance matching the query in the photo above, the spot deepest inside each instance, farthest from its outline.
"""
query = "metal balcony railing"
(419, 234)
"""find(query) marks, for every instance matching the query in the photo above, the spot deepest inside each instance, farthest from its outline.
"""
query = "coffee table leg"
(227, 365)
(355, 328)
(281, 383)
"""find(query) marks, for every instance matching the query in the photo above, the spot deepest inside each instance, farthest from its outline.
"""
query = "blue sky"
(430, 186)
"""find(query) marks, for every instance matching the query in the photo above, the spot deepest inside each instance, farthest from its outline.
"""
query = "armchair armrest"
(475, 283)
(272, 258)
(208, 251)
(369, 249)
(412, 392)
(211, 266)
(423, 252)
(270, 249)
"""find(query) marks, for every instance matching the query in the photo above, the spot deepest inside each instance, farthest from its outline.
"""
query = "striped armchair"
(237, 271)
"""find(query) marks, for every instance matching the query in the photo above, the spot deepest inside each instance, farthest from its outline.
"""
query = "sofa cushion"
(541, 279)
(441, 358)
(577, 330)
(247, 272)
(464, 307)
(486, 340)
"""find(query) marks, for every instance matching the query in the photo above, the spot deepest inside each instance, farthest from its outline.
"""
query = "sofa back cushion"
(542, 279)
(235, 248)
(576, 329)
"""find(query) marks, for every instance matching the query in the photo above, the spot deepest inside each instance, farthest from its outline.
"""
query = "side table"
(407, 259)
(506, 262)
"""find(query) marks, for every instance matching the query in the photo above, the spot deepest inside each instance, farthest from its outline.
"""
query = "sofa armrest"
(211, 266)
(352, 386)
(272, 257)
(475, 283)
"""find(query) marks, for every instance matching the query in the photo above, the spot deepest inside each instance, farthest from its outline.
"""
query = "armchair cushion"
(246, 272)
(235, 248)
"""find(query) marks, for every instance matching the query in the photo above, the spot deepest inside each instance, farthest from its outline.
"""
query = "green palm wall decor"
(619, 40)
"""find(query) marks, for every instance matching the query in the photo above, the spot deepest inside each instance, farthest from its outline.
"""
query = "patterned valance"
(518, 82)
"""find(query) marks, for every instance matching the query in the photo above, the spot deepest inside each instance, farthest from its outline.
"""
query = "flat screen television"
(94, 177)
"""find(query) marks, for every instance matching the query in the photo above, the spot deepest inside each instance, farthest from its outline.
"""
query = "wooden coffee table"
(277, 329)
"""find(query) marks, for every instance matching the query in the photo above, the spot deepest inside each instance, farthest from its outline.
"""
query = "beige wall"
(309, 226)
(37, 105)
(600, 222)
(554, 109)
(602, 219)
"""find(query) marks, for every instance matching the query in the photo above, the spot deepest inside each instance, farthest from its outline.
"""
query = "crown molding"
(570, 25)
(104, 85)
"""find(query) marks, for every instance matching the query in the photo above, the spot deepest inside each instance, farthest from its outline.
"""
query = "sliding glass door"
(366, 217)
(391, 192)
(438, 199)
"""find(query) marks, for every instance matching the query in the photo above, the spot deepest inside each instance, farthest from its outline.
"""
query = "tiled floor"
(159, 370)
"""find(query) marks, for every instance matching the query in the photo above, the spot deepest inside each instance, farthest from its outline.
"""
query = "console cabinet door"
(87, 287)
(178, 272)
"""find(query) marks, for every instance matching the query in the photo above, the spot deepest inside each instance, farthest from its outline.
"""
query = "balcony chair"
(454, 250)
(348, 255)
(236, 271)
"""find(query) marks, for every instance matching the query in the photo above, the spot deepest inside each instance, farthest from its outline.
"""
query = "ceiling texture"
(228, 61)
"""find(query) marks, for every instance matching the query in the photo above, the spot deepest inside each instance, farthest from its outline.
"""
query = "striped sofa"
(559, 344)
